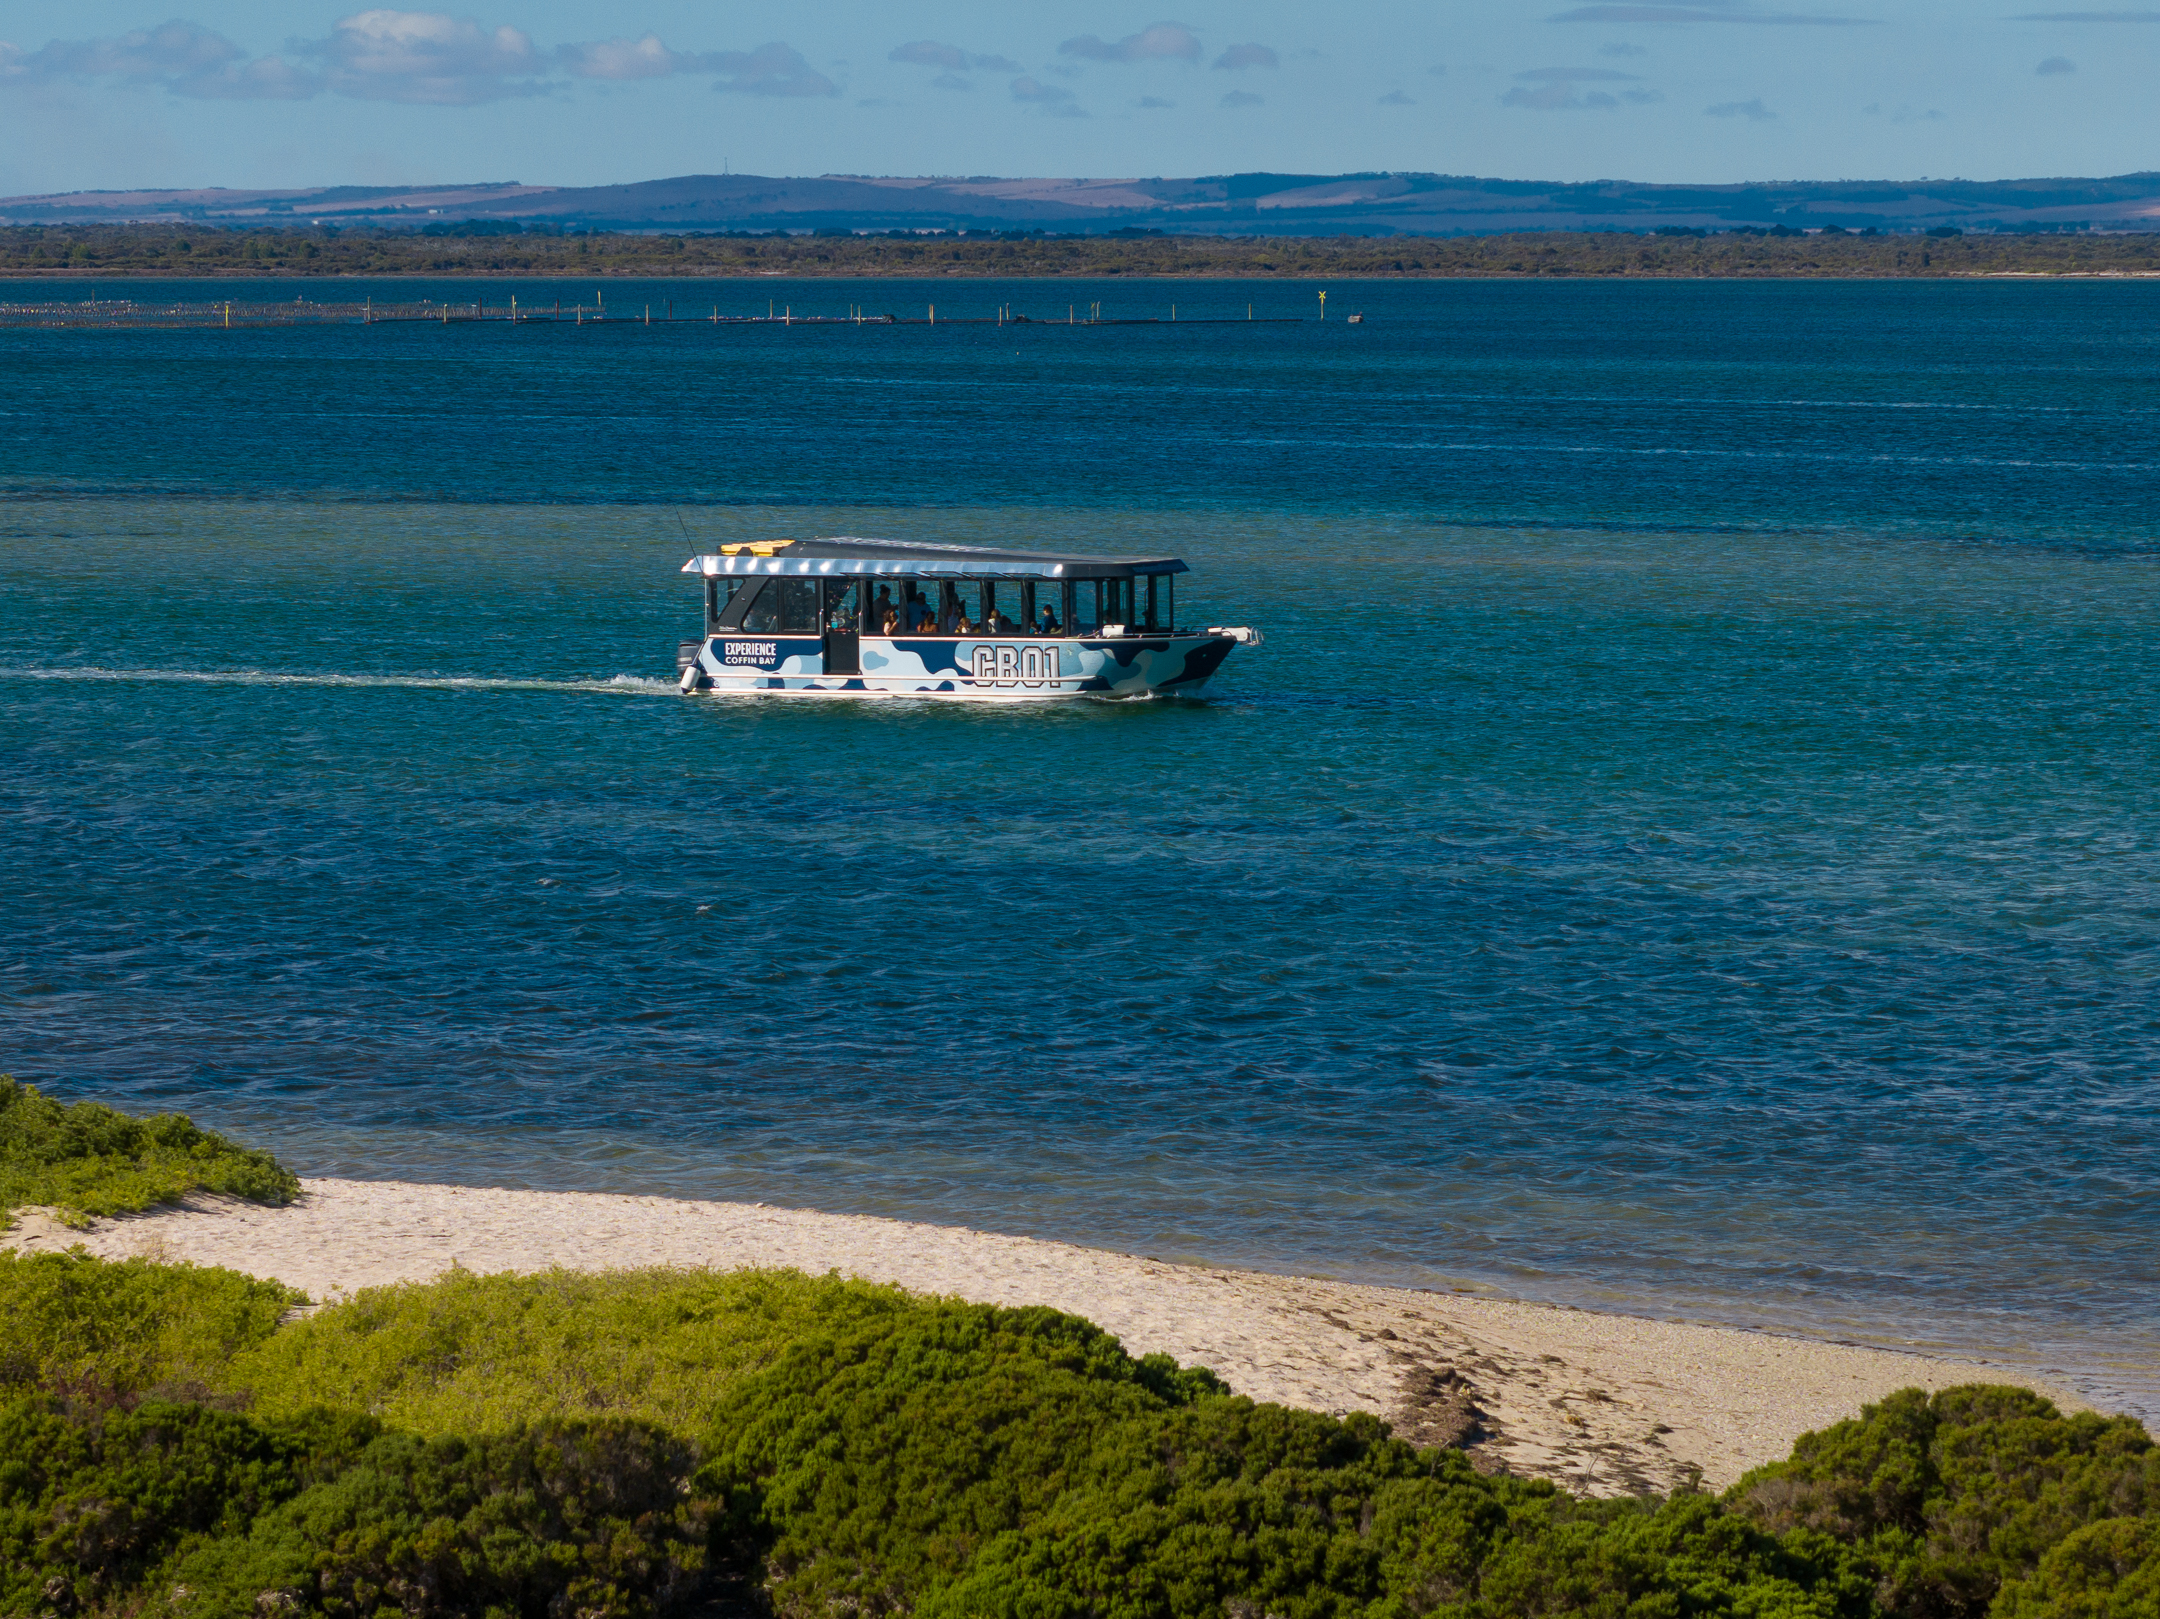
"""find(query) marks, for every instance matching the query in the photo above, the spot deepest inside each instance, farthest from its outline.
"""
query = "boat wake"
(613, 686)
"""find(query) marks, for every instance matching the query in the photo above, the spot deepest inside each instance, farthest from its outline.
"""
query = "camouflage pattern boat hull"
(1000, 669)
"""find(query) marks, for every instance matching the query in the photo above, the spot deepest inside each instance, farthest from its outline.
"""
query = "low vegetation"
(652, 1443)
(85, 1159)
(109, 251)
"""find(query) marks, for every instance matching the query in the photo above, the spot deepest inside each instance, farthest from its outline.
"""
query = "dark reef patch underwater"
(1686, 847)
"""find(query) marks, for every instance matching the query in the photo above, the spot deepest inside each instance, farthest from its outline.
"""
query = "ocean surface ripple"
(1687, 846)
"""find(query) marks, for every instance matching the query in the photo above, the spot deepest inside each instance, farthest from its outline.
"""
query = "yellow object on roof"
(757, 548)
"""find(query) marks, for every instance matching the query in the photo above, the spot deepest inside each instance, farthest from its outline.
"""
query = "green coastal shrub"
(1945, 1500)
(466, 1353)
(593, 1519)
(86, 1159)
(71, 1321)
(888, 1449)
(95, 1493)
(638, 1444)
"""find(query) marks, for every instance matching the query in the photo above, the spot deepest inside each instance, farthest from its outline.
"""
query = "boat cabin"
(896, 615)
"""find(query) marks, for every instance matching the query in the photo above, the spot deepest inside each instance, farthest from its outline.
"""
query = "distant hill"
(1235, 204)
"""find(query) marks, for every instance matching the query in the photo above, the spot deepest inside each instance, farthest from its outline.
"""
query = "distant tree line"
(182, 250)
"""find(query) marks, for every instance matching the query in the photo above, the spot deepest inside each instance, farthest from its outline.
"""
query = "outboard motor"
(688, 676)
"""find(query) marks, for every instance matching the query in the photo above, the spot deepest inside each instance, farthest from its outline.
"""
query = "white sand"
(1599, 1403)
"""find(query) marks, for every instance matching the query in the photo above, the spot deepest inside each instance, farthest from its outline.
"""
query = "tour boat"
(895, 618)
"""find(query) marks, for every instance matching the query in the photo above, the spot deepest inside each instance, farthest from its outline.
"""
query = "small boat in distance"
(895, 618)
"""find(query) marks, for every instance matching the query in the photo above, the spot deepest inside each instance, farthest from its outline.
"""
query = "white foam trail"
(614, 685)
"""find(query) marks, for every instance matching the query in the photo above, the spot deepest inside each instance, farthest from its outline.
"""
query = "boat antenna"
(685, 527)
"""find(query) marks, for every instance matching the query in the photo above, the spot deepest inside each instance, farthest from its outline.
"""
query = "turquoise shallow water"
(1687, 846)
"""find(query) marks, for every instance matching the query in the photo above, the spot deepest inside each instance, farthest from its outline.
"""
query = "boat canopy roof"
(843, 556)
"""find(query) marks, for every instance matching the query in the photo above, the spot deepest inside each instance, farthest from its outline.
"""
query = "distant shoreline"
(101, 277)
(125, 252)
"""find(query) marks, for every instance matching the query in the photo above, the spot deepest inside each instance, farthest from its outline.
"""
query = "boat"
(898, 618)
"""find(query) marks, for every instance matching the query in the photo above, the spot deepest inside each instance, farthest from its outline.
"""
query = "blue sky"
(123, 93)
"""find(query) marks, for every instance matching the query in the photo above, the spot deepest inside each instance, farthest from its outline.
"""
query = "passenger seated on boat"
(890, 623)
(997, 623)
(916, 614)
(881, 610)
(1048, 624)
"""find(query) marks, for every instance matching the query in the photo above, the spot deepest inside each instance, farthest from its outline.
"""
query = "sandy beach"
(1601, 1404)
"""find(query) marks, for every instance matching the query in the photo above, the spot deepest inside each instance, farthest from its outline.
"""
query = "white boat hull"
(1001, 669)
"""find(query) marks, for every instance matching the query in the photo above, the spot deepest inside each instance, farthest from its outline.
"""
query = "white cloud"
(2054, 65)
(1164, 39)
(424, 57)
(1555, 97)
(1053, 99)
(1241, 98)
(771, 70)
(1753, 111)
(429, 58)
(182, 57)
(1703, 11)
(1238, 56)
(930, 53)
(643, 58)
(1395, 98)
(1555, 90)
(1569, 75)
(266, 78)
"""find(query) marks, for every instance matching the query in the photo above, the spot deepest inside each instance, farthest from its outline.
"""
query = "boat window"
(918, 608)
(1117, 601)
(1150, 614)
(886, 599)
(843, 610)
(798, 606)
(960, 601)
(762, 617)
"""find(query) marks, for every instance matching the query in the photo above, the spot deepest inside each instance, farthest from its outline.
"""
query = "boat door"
(843, 633)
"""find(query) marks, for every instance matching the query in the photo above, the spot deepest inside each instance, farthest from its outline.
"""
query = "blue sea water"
(1688, 846)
